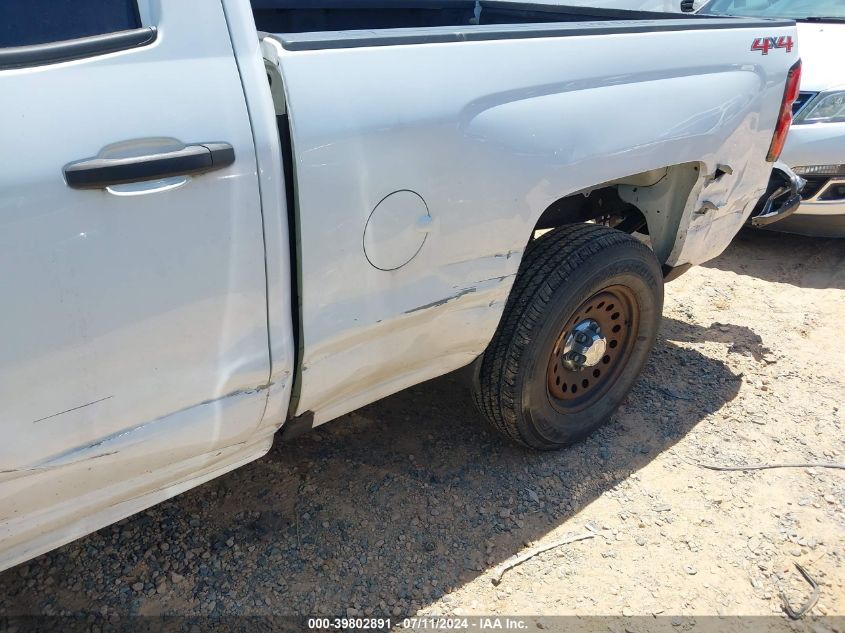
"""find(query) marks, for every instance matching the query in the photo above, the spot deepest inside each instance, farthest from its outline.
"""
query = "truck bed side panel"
(489, 134)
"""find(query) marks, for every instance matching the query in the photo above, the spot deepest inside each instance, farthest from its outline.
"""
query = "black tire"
(569, 269)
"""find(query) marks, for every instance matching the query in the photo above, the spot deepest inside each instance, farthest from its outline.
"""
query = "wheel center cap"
(584, 347)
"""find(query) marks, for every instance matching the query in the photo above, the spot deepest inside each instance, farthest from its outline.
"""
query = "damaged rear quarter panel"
(489, 141)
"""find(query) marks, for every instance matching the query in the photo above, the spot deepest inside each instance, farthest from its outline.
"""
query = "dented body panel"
(164, 330)
(489, 155)
(135, 360)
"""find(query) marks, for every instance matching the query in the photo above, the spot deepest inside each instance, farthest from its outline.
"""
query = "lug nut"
(576, 358)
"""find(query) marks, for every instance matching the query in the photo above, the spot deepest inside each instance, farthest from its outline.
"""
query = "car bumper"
(815, 220)
(781, 199)
(822, 209)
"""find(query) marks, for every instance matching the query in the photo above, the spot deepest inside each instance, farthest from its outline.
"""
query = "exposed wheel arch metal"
(652, 202)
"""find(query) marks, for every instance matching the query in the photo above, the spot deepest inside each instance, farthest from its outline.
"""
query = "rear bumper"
(777, 208)
(782, 197)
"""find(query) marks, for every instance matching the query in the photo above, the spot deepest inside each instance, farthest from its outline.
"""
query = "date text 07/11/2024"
(419, 624)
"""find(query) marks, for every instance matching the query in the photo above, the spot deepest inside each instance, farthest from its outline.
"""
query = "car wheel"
(577, 330)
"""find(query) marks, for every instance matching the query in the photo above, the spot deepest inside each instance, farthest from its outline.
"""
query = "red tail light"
(793, 81)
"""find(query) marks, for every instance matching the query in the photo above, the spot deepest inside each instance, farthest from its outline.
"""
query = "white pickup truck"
(211, 231)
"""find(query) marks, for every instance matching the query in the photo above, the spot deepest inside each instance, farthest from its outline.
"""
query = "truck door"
(131, 250)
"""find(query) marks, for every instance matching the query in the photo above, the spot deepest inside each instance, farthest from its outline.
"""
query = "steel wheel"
(592, 348)
(576, 333)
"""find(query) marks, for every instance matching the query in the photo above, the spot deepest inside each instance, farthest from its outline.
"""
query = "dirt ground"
(409, 505)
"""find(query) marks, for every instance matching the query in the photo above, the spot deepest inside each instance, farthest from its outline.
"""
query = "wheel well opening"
(602, 206)
(650, 203)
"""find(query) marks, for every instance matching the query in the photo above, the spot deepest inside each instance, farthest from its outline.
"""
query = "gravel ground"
(408, 505)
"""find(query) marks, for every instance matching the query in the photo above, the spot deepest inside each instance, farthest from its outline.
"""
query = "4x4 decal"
(766, 44)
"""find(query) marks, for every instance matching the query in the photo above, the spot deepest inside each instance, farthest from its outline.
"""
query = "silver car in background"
(815, 148)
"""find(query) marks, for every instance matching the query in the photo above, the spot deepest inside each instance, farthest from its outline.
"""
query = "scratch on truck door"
(81, 406)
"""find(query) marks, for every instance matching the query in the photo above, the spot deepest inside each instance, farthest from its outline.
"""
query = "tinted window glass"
(834, 10)
(25, 22)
